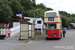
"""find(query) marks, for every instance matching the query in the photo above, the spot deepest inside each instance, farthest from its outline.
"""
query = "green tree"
(41, 5)
(65, 20)
(33, 1)
(16, 8)
(5, 12)
(28, 6)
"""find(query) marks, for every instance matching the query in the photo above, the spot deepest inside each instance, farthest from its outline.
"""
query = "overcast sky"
(62, 5)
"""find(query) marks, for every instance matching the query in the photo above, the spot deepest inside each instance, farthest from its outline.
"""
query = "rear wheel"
(60, 36)
(46, 38)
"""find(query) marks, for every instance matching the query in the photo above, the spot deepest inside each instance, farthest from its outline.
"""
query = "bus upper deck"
(52, 17)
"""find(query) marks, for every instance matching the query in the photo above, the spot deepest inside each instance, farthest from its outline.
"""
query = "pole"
(21, 19)
(34, 16)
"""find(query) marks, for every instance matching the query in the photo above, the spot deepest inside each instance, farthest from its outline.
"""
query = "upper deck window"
(50, 14)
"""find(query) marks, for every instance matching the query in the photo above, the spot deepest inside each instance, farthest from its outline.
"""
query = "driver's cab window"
(51, 26)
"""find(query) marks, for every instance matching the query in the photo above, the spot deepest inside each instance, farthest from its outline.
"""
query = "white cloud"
(65, 5)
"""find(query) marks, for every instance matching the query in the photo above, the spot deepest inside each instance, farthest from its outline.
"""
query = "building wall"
(38, 26)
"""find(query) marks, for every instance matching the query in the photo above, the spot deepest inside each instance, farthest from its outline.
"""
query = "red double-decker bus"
(53, 24)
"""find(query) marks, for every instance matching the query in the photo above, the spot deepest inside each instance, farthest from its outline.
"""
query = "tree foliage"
(67, 18)
(9, 9)
(5, 12)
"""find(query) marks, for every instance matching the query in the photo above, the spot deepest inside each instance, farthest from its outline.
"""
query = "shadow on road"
(53, 39)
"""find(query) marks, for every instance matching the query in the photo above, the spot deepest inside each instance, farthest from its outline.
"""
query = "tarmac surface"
(65, 43)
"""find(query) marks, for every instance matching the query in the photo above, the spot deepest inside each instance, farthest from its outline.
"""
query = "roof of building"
(32, 19)
(39, 19)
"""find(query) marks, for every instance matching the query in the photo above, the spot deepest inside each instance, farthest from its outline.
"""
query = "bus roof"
(51, 11)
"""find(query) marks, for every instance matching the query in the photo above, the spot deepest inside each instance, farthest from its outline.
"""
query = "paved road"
(65, 43)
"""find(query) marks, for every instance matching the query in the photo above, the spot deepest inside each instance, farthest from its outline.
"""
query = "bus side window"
(55, 26)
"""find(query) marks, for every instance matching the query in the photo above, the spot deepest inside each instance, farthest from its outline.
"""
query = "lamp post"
(34, 16)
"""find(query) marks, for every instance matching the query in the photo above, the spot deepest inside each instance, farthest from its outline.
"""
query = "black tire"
(60, 38)
(61, 35)
(46, 38)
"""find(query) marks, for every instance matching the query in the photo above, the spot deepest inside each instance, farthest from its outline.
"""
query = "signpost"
(8, 32)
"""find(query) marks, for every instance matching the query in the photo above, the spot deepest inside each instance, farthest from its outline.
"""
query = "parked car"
(68, 27)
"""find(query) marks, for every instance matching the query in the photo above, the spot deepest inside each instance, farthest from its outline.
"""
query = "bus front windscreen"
(50, 14)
